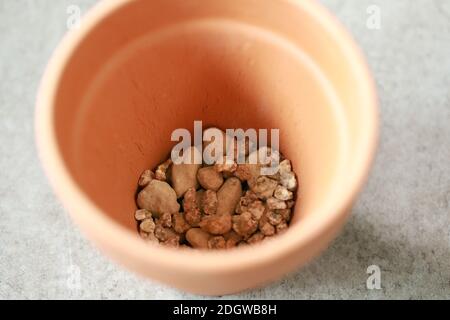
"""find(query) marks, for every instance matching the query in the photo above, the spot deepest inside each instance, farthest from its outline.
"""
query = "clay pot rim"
(106, 232)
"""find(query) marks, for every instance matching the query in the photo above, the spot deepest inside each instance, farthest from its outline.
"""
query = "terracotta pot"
(136, 70)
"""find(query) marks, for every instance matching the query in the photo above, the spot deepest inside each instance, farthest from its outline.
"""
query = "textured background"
(400, 223)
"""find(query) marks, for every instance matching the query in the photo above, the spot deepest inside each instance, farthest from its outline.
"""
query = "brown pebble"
(247, 172)
(267, 229)
(209, 178)
(165, 220)
(256, 208)
(163, 234)
(184, 175)
(285, 213)
(197, 238)
(209, 202)
(274, 203)
(199, 197)
(274, 218)
(226, 166)
(289, 181)
(162, 172)
(192, 212)
(158, 197)
(264, 187)
(285, 167)
(190, 200)
(244, 225)
(180, 224)
(216, 224)
(232, 239)
(142, 214)
(193, 217)
(228, 196)
(257, 237)
(217, 242)
(282, 193)
(245, 201)
(147, 225)
(145, 178)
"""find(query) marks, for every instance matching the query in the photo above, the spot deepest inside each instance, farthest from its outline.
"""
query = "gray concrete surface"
(400, 223)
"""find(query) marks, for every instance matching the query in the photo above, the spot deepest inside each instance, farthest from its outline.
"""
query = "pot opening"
(119, 102)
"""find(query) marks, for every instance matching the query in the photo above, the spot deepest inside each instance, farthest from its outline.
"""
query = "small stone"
(282, 193)
(257, 209)
(232, 239)
(193, 217)
(228, 196)
(256, 238)
(244, 225)
(163, 234)
(165, 220)
(145, 178)
(288, 180)
(209, 178)
(274, 203)
(264, 187)
(274, 218)
(217, 242)
(184, 175)
(161, 172)
(245, 201)
(285, 213)
(147, 225)
(199, 198)
(216, 224)
(209, 202)
(180, 224)
(267, 229)
(247, 172)
(158, 197)
(191, 200)
(226, 166)
(192, 212)
(285, 167)
(142, 214)
(197, 238)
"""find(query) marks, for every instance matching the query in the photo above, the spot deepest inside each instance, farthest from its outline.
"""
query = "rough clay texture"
(400, 222)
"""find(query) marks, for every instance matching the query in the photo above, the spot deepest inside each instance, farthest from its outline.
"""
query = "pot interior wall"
(160, 65)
